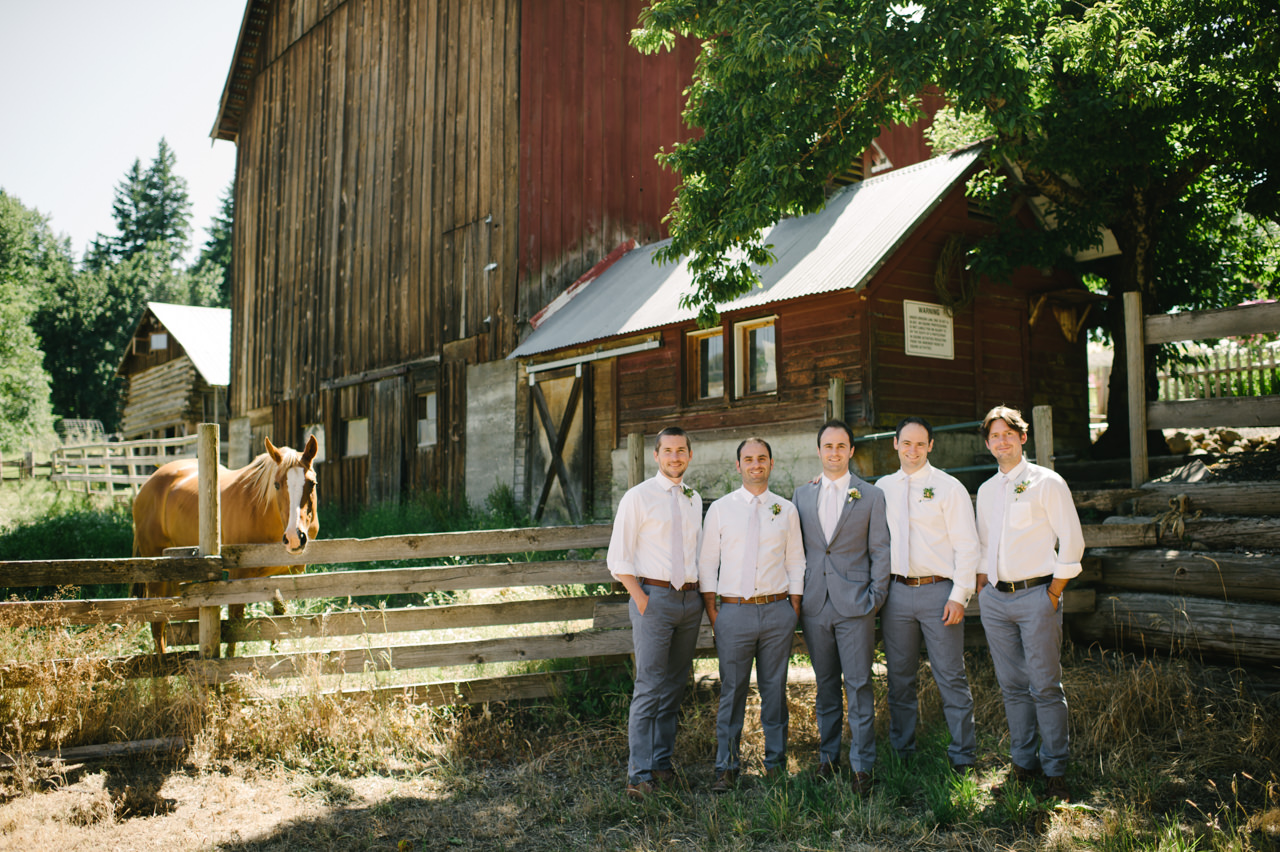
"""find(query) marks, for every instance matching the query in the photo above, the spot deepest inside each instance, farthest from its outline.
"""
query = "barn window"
(756, 357)
(706, 364)
(428, 424)
(358, 437)
(159, 341)
(316, 429)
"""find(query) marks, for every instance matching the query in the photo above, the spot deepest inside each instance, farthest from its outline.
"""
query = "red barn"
(416, 180)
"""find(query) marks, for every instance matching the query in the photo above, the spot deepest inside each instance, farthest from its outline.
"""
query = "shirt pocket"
(1020, 515)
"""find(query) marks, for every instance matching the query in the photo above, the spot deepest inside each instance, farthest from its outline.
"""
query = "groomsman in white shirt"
(934, 560)
(654, 553)
(752, 557)
(1023, 511)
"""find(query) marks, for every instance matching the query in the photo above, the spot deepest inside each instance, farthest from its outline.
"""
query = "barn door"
(386, 440)
(560, 449)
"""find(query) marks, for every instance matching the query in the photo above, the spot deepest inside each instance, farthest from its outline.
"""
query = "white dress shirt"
(943, 539)
(780, 561)
(1038, 512)
(641, 541)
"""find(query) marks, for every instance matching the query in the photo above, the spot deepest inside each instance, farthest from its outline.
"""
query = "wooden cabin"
(420, 183)
(867, 314)
(178, 367)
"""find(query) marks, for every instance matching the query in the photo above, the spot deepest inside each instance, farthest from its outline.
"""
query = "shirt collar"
(746, 496)
(1019, 470)
(922, 473)
(842, 483)
(666, 484)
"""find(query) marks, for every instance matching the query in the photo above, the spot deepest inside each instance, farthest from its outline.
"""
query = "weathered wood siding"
(999, 358)
(593, 113)
(376, 215)
(165, 397)
(818, 338)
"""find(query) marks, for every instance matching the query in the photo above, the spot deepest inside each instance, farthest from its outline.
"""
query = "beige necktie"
(677, 539)
(751, 544)
(997, 529)
(830, 509)
(902, 532)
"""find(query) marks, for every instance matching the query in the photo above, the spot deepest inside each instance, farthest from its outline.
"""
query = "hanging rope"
(951, 263)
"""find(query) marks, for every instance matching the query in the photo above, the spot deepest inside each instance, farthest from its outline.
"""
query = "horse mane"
(260, 474)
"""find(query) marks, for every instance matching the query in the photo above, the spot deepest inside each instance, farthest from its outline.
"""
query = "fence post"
(635, 459)
(835, 399)
(1042, 423)
(1135, 361)
(210, 509)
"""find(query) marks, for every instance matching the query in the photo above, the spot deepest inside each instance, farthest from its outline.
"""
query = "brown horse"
(271, 499)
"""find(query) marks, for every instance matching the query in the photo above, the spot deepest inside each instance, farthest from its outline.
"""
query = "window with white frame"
(316, 429)
(428, 420)
(357, 437)
(705, 358)
(755, 357)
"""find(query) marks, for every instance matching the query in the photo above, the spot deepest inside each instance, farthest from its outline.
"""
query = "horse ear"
(309, 452)
(272, 451)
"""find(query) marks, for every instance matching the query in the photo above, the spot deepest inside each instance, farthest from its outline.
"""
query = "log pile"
(1210, 584)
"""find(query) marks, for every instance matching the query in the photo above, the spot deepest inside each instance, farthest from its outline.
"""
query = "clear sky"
(89, 86)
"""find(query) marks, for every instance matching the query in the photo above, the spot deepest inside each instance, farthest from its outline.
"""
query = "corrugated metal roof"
(205, 334)
(838, 248)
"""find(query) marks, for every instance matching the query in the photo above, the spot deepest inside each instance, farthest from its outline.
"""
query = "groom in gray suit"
(846, 580)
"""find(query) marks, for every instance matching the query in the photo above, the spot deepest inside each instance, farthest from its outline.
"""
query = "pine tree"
(152, 206)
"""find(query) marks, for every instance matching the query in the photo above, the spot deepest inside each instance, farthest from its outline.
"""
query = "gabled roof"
(235, 92)
(838, 248)
(204, 334)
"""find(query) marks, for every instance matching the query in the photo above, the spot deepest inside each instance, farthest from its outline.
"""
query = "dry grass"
(1167, 755)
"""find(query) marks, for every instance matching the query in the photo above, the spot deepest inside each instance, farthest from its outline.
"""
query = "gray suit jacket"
(853, 570)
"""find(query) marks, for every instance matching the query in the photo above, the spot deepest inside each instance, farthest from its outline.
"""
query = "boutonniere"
(688, 492)
(928, 494)
(1021, 486)
(774, 510)
(854, 494)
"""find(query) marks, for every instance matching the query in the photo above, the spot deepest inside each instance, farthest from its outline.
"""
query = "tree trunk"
(1122, 273)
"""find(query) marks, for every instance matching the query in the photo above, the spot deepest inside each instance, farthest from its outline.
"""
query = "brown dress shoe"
(639, 790)
(860, 783)
(665, 778)
(725, 782)
(827, 770)
(1024, 775)
(1055, 787)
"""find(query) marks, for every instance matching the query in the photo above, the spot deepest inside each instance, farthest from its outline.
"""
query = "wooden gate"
(560, 449)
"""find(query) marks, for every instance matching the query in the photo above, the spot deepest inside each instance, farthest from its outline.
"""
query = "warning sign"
(930, 331)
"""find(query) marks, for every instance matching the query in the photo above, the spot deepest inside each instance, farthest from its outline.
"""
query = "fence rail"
(1141, 330)
(116, 468)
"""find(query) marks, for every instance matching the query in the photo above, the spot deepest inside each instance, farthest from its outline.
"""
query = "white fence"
(118, 468)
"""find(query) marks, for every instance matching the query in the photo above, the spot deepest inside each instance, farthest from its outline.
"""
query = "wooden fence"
(117, 468)
(1142, 330)
(23, 467)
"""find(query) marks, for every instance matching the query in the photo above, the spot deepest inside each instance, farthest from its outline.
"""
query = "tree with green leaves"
(215, 257)
(30, 259)
(1156, 119)
(152, 206)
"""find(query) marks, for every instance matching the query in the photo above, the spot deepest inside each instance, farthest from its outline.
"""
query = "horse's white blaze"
(295, 479)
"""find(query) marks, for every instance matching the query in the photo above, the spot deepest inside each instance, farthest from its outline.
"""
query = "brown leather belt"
(1017, 585)
(758, 599)
(687, 587)
(919, 581)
